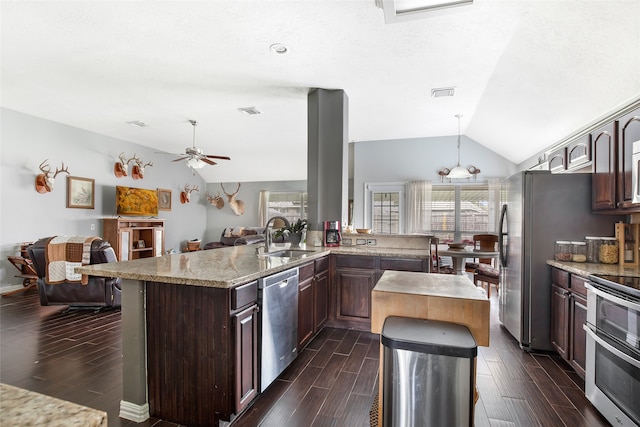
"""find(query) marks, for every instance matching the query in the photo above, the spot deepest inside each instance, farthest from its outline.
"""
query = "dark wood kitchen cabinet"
(313, 299)
(202, 352)
(568, 314)
(321, 293)
(353, 278)
(628, 133)
(245, 325)
(612, 147)
(244, 321)
(578, 317)
(560, 320)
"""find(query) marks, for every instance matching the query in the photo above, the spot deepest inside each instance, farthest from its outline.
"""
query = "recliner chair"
(98, 292)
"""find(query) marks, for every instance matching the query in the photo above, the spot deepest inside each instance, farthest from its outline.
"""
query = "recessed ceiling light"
(137, 123)
(250, 110)
(279, 48)
(443, 91)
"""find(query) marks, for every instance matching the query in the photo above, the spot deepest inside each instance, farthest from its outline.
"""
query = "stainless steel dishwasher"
(278, 299)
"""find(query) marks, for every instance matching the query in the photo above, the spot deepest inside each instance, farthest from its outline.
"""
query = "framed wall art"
(80, 192)
(164, 199)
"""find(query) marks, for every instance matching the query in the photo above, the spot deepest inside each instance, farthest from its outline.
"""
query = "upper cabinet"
(612, 146)
(628, 133)
(572, 156)
(605, 152)
(558, 160)
(579, 153)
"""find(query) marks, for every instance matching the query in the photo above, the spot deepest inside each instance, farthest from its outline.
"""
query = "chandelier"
(459, 172)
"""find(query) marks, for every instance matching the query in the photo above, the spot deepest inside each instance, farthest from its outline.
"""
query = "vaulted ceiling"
(526, 73)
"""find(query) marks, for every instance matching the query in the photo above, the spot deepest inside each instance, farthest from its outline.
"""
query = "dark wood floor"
(76, 356)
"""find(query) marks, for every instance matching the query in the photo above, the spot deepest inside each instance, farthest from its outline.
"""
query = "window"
(289, 204)
(459, 212)
(385, 208)
(386, 212)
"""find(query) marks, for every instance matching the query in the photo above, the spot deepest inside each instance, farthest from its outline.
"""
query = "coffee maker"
(332, 233)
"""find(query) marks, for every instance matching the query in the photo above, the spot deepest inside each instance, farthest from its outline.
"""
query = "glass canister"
(609, 251)
(593, 248)
(562, 250)
(578, 251)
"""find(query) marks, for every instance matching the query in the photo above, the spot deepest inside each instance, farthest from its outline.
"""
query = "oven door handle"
(609, 297)
(630, 360)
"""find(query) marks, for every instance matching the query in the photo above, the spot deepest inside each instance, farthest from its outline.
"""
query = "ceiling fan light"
(194, 163)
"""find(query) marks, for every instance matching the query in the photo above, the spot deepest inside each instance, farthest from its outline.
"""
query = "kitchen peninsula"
(190, 327)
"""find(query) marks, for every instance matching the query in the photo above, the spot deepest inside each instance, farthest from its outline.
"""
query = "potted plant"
(293, 231)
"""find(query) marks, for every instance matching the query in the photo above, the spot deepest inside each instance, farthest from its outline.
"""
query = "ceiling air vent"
(250, 110)
(443, 91)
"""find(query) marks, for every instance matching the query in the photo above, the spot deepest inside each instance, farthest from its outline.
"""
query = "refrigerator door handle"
(503, 237)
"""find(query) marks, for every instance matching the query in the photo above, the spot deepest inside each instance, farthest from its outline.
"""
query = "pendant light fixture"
(459, 172)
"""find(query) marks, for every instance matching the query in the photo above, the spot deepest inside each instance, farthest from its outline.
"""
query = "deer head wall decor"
(185, 194)
(121, 168)
(237, 206)
(45, 180)
(137, 171)
(215, 200)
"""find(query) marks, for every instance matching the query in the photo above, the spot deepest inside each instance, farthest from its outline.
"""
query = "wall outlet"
(347, 242)
(93, 227)
(361, 242)
(371, 242)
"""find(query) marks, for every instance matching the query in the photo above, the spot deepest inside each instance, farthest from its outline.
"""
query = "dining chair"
(485, 270)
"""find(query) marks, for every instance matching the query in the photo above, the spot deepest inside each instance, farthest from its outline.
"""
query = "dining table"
(458, 256)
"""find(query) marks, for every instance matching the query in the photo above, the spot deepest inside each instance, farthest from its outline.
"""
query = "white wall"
(404, 160)
(26, 215)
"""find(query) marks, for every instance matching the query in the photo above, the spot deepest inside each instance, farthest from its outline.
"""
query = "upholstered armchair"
(76, 292)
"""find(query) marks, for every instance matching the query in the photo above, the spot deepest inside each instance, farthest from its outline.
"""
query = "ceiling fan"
(194, 156)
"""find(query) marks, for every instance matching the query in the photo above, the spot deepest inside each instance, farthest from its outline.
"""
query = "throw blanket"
(63, 254)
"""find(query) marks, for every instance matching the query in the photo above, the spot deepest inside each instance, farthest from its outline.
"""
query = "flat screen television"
(136, 201)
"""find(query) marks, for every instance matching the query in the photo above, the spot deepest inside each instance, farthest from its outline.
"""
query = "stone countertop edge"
(586, 268)
(227, 267)
(432, 284)
(22, 407)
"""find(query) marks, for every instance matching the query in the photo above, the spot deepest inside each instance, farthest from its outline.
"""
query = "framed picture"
(80, 192)
(141, 244)
(164, 199)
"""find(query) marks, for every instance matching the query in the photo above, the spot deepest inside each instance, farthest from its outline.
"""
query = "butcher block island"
(444, 297)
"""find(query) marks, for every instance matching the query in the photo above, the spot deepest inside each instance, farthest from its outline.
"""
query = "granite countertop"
(228, 267)
(587, 268)
(22, 407)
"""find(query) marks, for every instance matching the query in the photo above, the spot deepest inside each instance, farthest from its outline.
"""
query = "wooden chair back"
(486, 242)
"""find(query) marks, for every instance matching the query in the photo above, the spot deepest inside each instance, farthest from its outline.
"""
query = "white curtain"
(494, 204)
(263, 207)
(419, 207)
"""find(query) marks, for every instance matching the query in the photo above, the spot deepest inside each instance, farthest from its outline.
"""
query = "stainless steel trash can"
(429, 373)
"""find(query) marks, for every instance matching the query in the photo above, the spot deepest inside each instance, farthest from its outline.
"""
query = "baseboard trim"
(132, 412)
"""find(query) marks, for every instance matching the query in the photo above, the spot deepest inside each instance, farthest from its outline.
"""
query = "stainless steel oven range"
(612, 381)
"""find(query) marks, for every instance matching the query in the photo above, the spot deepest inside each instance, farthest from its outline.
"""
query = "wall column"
(327, 156)
(134, 405)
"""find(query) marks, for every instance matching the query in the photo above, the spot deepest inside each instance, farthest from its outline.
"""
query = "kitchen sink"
(289, 253)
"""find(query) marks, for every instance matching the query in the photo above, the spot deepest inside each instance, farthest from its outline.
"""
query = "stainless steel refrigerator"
(539, 208)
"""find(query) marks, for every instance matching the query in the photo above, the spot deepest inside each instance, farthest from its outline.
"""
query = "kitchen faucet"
(267, 237)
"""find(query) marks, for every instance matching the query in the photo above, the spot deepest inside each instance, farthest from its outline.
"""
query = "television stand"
(135, 238)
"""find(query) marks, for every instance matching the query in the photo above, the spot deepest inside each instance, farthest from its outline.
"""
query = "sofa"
(86, 292)
(234, 236)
